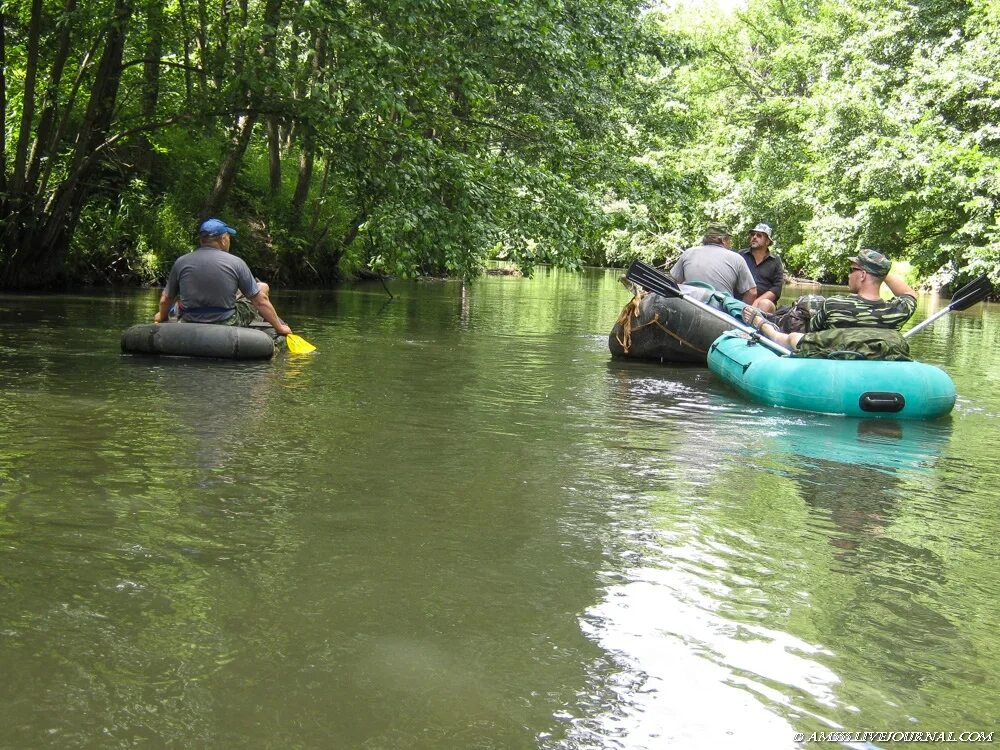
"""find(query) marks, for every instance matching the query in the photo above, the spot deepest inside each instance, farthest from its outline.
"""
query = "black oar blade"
(652, 279)
(973, 292)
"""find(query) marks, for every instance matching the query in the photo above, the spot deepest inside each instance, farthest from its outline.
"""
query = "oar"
(654, 280)
(963, 298)
(298, 345)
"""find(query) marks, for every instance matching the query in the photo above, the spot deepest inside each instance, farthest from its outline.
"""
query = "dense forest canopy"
(426, 136)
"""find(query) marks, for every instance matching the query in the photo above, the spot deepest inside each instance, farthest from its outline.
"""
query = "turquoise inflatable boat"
(854, 388)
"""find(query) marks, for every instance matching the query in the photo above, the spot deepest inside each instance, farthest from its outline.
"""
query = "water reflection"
(457, 525)
(733, 624)
(699, 679)
(216, 406)
(881, 443)
(855, 473)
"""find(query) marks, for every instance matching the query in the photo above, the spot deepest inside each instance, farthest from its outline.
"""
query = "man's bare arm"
(263, 304)
(897, 286)
(163, 314)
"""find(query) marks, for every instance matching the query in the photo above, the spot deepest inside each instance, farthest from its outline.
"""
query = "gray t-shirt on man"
(716, 265)
(207, 280)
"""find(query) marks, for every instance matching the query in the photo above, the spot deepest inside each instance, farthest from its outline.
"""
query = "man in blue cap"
(207, 281)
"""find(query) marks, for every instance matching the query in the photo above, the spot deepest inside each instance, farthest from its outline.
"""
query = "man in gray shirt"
(714, 263)
(207, 281)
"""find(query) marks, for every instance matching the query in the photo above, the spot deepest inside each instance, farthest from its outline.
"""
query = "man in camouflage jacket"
(864, 308)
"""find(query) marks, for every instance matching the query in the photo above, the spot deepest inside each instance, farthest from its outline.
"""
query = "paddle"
(298, 345)
(963, 298)
(654, 280)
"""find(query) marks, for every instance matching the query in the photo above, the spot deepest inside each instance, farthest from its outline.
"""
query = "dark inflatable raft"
(200, 340)
(666, 329)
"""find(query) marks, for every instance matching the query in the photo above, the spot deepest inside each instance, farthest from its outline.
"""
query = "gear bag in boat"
(854, 343)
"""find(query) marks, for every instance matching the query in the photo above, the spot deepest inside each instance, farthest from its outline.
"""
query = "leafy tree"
(425, 136)
(446, 129)
(844, 124)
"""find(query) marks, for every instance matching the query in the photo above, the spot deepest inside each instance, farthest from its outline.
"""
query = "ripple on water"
(462, 516)
(795, 574)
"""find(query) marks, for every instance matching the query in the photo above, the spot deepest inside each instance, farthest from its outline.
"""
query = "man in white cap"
(207, 281)
(766, 269)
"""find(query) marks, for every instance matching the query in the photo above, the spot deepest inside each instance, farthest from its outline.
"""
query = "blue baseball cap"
(215, 227)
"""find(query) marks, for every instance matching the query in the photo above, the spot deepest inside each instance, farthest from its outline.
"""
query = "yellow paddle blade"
(298, 345)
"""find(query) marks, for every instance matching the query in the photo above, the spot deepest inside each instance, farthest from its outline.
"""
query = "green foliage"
(424, 136)
(445, 130)
(843, 124)
(128, 239)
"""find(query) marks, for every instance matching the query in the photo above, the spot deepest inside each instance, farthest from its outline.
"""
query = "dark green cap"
(872, 261)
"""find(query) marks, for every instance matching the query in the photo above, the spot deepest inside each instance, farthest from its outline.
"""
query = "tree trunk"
(64, 121)
(201, 35)
(219, 69)
(187, 55)
(226, 176)
(16, 202)
(322, 194)
(47, 249)
(305, 178)
(307, 156)
(274, 153)
(352, 231)
(230, 167)
(151, 81)
(40, 149)
(28, 103)
(3, 115)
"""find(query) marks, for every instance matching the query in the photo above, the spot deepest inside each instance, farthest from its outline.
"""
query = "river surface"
(460, 524)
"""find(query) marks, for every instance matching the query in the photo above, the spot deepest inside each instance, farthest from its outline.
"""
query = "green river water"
(460, 524)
